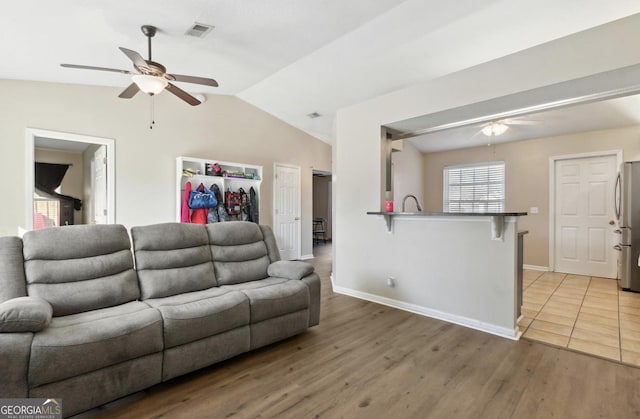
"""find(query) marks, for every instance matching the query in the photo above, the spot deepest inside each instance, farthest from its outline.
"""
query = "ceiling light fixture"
(151, 85)
(494, 129)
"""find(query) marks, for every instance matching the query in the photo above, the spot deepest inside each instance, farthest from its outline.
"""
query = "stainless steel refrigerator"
(627, 209)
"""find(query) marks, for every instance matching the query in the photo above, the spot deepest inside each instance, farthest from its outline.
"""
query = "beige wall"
(72, 183)
(527, 175)
(223, 128)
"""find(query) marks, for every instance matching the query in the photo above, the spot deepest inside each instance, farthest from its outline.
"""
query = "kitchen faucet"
(404, 200)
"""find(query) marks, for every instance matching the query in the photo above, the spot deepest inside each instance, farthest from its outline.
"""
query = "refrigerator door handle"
(617, 193)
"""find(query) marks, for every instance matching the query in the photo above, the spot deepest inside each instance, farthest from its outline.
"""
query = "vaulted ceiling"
(288, 57)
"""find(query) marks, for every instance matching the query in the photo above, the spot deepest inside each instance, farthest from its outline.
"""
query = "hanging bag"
(254, 212)
(233, 203)
(244, 205)
(202, 197)
(222, 212)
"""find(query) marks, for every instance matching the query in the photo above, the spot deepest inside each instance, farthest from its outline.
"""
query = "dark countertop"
(449, 214)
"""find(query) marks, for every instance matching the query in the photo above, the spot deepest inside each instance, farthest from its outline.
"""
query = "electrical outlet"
(533, 210)
(391, 282)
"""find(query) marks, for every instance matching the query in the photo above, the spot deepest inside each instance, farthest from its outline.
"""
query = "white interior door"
(287, 211)
(99, 185)
(584, 216)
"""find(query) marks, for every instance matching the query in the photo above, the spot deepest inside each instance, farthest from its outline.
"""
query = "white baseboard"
(306, 257)
(513, 334)
(536, 268)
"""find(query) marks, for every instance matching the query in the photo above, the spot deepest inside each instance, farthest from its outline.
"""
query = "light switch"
(533, 210)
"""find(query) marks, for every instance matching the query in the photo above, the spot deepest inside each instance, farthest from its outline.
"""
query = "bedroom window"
(474, 188)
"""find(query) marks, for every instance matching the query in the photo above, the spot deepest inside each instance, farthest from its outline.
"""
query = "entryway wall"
(322, 199)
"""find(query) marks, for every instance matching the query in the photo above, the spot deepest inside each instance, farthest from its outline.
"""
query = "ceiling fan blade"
(137, 59)
(129, 92)
(521, 122)
(89, 67)
(194, 79)
(182, 94)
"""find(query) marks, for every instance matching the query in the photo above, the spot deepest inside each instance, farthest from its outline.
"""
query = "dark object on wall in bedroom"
(48, 178)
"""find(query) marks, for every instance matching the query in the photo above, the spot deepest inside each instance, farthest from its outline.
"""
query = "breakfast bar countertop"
(449, 214)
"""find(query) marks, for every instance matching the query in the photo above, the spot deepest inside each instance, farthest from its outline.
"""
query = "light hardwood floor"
(365, 360)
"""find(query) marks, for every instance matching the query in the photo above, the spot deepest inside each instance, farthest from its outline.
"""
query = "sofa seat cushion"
(197, 315)
(273, 297)
(84, 342)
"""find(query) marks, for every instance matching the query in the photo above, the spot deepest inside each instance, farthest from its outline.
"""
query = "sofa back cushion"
(239, 252)
(12, 283)
(172, 258)
(270, 241)
(80, 268)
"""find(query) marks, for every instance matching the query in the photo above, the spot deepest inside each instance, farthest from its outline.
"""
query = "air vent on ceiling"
(199, 30)
(314, 115)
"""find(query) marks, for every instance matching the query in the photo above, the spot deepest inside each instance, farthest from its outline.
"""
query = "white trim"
(481, 163)
(275, 201)
(30, 136)
(536, 268)
(307, 257)
(513, 334)
(552, 192)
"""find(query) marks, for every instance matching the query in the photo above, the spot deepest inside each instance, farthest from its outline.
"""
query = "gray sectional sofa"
(80, 323)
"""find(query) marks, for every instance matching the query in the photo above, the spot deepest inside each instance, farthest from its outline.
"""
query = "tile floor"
(582, 313)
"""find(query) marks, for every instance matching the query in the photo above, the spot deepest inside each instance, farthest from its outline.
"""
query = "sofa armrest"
(290, 269)
(24, 314)
(15, 350)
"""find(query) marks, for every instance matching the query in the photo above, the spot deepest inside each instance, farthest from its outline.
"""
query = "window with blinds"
(474, 188)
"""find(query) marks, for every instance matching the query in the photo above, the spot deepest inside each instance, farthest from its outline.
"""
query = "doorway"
(322, 220)
(286, 208)
(93, 156)
(582, 214)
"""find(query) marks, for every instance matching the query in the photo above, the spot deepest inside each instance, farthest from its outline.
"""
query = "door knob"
(297, 218)
(611, 222)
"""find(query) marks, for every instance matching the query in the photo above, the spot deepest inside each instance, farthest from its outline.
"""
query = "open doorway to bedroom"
(69, 179)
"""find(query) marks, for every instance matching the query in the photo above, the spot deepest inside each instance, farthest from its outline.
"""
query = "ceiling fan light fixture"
(151, 85)
(494, 129)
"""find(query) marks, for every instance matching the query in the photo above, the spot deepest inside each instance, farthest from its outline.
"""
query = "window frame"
(446, 187)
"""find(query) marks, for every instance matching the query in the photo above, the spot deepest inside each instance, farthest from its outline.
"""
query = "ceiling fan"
(151, 77)
(499, 127)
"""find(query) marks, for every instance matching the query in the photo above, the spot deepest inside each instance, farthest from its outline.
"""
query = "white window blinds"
(474, 188)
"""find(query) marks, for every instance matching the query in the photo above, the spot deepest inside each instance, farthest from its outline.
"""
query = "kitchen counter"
(497, 218)
(447, 214)
(458, 267)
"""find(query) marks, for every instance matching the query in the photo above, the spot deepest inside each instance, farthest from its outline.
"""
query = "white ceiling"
(614, 113)
(288, 57)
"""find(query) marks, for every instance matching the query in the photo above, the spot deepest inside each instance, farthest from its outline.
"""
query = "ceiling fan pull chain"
(149, 44)
(153, 112)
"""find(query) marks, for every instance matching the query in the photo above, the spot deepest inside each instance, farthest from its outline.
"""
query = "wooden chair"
(319, 230)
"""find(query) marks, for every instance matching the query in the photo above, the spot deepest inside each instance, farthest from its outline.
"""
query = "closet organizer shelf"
(225, 183)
